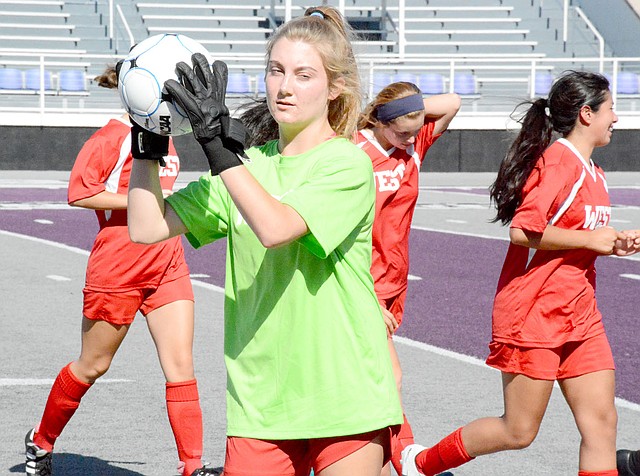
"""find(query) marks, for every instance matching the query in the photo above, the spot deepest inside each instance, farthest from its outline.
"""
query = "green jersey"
(305, 342)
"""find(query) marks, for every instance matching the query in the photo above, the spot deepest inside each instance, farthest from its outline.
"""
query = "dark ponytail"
(559, 113)
(260, 124)
(532, 140)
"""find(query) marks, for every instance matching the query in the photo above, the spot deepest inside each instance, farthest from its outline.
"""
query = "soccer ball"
(141, 82)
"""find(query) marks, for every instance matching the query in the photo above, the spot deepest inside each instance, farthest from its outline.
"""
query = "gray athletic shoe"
(38, 460)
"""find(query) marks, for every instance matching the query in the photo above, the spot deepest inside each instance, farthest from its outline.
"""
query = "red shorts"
(120, 308)
(569, 360)
(395, 305)
(252, 457)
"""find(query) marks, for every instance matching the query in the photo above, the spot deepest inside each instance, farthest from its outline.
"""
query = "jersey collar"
(587, 164)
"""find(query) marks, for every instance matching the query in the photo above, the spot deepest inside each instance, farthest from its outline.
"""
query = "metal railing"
(501, 82)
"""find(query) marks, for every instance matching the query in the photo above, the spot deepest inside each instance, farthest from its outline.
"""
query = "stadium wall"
(55, 148)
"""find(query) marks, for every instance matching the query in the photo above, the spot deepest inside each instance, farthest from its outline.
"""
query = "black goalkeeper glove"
(146, 145)
(201, 94)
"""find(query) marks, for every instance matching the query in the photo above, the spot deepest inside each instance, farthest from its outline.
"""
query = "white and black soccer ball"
(141, 80)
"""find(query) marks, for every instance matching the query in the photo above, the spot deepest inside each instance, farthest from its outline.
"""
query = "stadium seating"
(380, 80)
(628, 83)
(465, 84)
(431, 83)
(34, 79)
(71, 80)
(11, 79)
(239, 83)
(261, 87)
(406, 77)
(520, 32)
(542, 83)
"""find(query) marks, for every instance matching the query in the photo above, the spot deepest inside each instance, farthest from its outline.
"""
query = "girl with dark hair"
(309, 378)
(396, 130)
(122, 279)
(546, 324)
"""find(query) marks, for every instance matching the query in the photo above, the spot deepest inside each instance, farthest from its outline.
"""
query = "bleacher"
(492, 52)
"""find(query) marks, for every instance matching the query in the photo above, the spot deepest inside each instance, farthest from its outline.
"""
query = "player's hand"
(146, 145)
(389, 320)
(201, 94)
(628, 243)
(603, 240)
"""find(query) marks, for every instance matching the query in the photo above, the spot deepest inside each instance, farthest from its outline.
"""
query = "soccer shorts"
(395, 305)
(252, 457)
(120, 308)
(571, 359)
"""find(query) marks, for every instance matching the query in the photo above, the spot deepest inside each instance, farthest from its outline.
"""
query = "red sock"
(400, 441)
(609, 472)
(64, 399)
(448, 453)
(185, 417)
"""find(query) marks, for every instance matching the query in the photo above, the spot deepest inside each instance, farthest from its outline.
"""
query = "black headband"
(399, 107)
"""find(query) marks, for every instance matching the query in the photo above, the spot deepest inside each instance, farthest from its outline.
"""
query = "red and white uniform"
(548, 299)
(397, 174)
(116, 263)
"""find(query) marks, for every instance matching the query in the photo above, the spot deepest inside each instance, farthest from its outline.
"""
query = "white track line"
(467, 359)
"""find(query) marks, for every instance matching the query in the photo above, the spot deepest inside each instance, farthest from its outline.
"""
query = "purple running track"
(449, 307)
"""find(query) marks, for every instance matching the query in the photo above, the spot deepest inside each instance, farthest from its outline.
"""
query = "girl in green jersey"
(309, 377)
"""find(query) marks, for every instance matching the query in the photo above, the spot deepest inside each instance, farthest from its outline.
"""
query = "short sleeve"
(425, 139)
(203, 207)
(336, 197)
(92, 167)
(544, 191)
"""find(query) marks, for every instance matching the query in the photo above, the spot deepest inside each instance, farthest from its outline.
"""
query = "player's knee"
(609, 420)
(522, 441)
(601, 424)
(522, 436)
(178, 368)
(91, 371)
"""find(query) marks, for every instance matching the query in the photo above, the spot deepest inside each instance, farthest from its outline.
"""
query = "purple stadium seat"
(380, 81)
(465, 84)
(542, 84)
(71, 80)
(262, 88)
(10, 78)
(431, 83)
(239, 83)
(405, 77)
(628, 83)
(32, 79)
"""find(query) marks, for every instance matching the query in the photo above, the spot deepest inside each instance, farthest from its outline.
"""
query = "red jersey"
(548, 299)
(397, 174)
(116, 263)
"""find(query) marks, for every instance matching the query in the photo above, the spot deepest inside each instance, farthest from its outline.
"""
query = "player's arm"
(441, 108)
(102, 201)
(601, 240)
(149, 218)
(273, 222)
(201, 94)
(389, 320)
